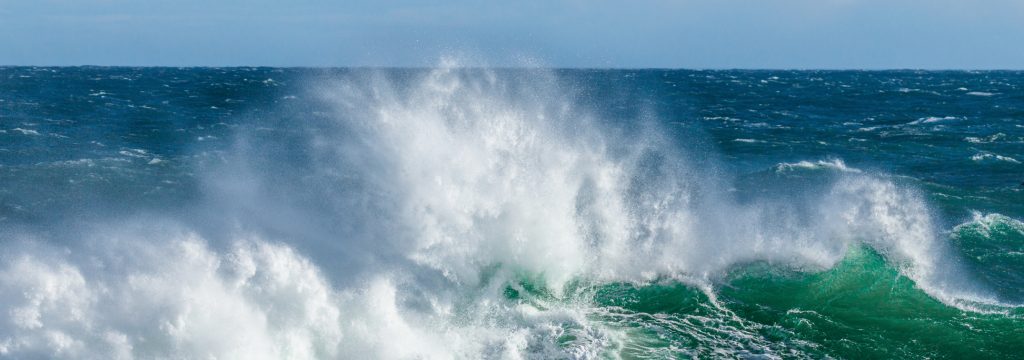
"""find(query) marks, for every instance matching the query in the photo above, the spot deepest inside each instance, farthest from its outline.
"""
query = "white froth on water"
(987, 156)
(984, 223)
(980, 93)
(26, 131)
(933, 119)
(172, 298)
(833, 164)
(896, 222)
(138, 296)
(467, 180)
(985, 140)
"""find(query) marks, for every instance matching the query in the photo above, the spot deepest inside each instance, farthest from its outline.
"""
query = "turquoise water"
(477, 213)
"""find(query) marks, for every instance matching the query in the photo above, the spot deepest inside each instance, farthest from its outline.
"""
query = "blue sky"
(861, 34)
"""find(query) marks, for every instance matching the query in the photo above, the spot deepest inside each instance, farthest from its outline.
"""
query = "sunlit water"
(472, 213)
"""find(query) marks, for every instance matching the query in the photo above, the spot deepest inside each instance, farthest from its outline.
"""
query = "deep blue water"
(956, 133)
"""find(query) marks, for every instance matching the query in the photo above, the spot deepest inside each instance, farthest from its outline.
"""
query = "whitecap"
(984, 223)
(933, 119)
(988, 156)
(832, 164)
(135, 153)
(984, 140)
(26, 131)
(78, 162)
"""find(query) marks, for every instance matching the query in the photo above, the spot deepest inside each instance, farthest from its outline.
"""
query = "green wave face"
(994, 246)
(862, 308)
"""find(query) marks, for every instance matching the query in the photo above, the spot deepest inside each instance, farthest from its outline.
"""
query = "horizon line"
(384, 67)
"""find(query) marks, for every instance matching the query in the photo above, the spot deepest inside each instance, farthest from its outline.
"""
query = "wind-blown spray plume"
(452, 213)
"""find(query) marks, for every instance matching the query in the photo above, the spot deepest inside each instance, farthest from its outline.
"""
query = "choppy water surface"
(474, 213)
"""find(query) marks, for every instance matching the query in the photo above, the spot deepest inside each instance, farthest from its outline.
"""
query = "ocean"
(468, 213)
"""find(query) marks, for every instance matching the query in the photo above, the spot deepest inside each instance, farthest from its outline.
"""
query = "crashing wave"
(406, 215)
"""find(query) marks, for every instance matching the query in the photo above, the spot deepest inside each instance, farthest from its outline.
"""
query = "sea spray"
(475, 213)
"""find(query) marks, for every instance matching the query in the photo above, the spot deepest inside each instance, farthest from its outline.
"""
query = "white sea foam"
(832, 164)
(136, 295)
(751, 141)
(984, 223)
(78, 162)
(26, 131)
(987, 156)
(135, 153)
(980, 93)
(933, 119)
(896, 222)
(175, 298)
(425, 199)
(909, 90)
(984, 140)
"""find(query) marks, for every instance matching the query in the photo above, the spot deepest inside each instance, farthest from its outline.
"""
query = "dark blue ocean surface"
(525, 213)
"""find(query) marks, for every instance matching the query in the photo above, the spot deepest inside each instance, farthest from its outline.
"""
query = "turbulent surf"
(509, 213)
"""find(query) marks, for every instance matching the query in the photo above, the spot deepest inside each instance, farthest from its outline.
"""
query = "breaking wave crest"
(406, 214)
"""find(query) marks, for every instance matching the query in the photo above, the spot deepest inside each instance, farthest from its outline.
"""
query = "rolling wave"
(462, 213)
